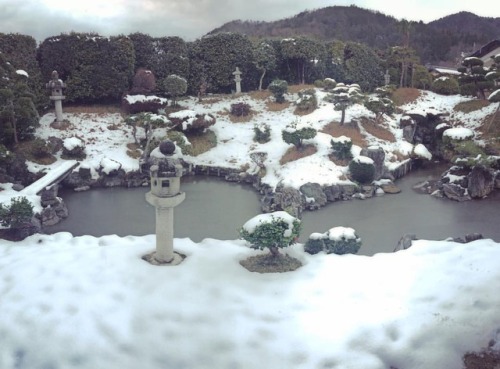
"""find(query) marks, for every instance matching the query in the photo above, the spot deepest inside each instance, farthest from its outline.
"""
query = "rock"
(315, 197)
(455, 192)
(497, 181)
(377, 154)
(473, 237)
(78, 179)
(408, 133)
(480, 181)
(49, 196)
(27, 229)
(348, 190)
(367, 191)
(17, 187)
(405, 242)
(390, 188)
(333, 193)
(81, 189)
(406, 121)
(55, 144)
(49, 217)
(284, 198)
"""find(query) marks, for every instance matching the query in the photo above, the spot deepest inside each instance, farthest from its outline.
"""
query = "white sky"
(191, 19)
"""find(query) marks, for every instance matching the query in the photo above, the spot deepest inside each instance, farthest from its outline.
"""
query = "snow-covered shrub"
(294, 136)
(319, 83)
(341, 147)
(329, 84)
(180, 140)
(17, 213)
(240, 109)
(74, 148)
(133, 104)
(315, 243)
(337, 240)
(174, 86)
(273, 231)
(39, 148)
(445, 86)
(307, 101)
(278, 88)
(362, 169)
(380, 106)
(148, 122)
(262, 133)
(191, 121)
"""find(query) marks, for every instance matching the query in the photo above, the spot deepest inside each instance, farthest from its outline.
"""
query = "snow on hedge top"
(341, 233)
(363, 159)
(22, 72)
(260, 219)
(183, 114)
(495, 96)
(421, 151)
(341, 139)
(72, 143)
(132, 99)
(459, 133)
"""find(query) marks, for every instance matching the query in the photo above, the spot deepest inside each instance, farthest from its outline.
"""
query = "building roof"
(485, 49)
(443, 70)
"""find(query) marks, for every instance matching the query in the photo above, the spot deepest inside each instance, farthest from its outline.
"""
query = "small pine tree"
(273, 231)
(380, 106)
(344, 96)
(294, 136)
(17, 213)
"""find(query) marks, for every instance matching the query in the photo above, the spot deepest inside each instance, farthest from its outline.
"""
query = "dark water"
(217, 209)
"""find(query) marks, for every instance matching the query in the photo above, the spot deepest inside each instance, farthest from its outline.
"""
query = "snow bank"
(85, 303)
(459, 133)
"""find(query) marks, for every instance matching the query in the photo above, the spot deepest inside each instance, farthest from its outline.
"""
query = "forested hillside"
(439, 41)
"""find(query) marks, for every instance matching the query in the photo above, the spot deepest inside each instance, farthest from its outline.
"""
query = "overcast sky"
(191, 19)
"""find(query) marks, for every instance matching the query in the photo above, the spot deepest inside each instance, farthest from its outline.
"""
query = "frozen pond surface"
(217, 209)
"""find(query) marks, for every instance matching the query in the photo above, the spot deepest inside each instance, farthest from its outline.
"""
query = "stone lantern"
(165, 194)
(237, 79)
(56, 85)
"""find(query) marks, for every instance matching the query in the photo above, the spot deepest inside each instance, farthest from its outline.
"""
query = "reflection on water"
(217, 209)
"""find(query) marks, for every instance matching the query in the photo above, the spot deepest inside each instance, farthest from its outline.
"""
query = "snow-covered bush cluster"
(341, 147)
(337, 240)
(74, 147)
(278, 88)
(191, 121)
(362, 169)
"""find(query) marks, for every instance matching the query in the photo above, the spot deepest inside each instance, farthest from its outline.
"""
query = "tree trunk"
(274, 251)
(342, 118)
(262, 79)
(403, 66)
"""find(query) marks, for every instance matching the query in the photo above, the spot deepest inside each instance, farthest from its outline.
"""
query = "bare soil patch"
(405, 95)
(470, 106)
(293, 153)
(334, 129)
(274, 106)
(268, 263)
(377, 130)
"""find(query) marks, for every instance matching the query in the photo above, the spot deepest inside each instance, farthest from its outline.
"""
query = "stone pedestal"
(165, 226)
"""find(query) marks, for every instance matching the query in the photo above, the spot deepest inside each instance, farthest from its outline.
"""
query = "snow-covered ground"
(105, 137)
(85, 303)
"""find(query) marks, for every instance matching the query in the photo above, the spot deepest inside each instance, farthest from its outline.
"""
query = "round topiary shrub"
(329, 84)
(278, 88)
(273, 231)
(262, 133)
(362, 169)
(74, 148)
(445, 86)
(342, 240)
(337, 240)
(307, 101)
(240, 109)
(315, 243)
(341, 147)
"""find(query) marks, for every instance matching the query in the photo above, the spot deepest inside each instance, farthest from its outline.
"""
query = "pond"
(217, 209)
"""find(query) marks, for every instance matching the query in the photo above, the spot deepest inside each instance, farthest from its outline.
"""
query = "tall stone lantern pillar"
(56, 85)
(237, 79)
(165, 194)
